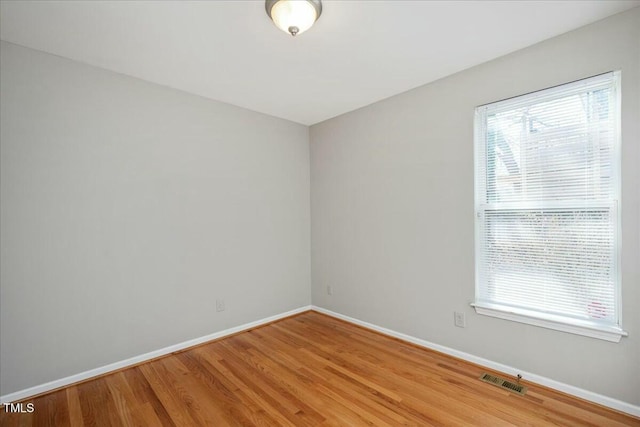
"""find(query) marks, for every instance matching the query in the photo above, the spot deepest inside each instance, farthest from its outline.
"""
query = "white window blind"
(547, 193)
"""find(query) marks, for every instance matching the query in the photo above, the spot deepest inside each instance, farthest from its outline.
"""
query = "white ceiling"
(357, 53)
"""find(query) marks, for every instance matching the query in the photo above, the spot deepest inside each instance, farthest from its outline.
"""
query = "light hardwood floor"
(307, 370)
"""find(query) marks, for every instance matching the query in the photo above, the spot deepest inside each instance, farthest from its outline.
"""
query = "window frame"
(587, 328)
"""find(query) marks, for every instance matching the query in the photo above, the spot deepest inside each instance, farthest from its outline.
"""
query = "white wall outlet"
(219, 305)
(329, 290)
(459, 319)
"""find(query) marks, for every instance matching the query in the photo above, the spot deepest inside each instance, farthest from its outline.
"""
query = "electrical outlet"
(459, 319)
(329, 290)
(219, 305)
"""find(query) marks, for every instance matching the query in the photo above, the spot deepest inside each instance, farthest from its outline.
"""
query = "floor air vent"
(501, 382)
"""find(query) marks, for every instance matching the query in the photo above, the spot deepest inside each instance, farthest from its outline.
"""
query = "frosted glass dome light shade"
(294, 16)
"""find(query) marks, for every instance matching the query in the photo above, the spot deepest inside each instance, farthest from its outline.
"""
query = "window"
(547, 178)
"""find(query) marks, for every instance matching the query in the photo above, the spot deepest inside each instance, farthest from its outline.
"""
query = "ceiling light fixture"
(293, 16)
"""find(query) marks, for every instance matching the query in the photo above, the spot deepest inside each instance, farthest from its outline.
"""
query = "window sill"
(613, 334)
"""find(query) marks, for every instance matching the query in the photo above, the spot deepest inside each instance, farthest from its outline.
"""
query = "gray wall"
(392, 226)
(127, 208)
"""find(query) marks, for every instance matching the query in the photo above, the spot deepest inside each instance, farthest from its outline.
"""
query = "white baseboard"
(566, 388)
(547, 382)
(43, 388)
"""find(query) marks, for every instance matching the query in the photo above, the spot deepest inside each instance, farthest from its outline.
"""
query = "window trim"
(612, 333)
(578, 327)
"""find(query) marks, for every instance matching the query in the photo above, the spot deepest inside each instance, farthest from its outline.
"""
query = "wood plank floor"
(307, 370)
